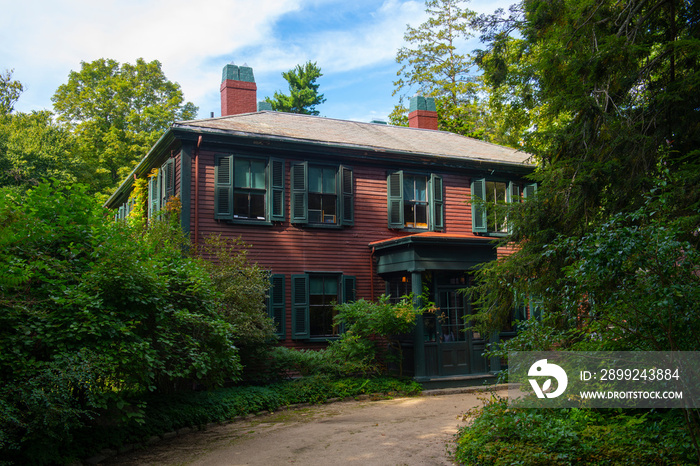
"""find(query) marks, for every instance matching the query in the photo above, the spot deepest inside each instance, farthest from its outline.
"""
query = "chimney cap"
(422, 103)
(237, 73)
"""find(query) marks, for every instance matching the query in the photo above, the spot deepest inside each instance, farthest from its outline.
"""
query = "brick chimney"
(422, 113)
(238, 90)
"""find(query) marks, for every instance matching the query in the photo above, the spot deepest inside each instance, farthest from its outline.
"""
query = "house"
(341, 210)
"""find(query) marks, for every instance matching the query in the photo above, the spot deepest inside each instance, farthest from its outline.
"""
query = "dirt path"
(404, 431)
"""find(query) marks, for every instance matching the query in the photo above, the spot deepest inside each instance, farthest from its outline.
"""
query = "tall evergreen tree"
(434, 63)
(303, 91)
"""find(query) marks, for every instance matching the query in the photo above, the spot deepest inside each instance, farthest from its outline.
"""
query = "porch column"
(418, 338)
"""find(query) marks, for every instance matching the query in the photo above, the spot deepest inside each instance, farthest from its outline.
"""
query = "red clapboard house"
(340, 210)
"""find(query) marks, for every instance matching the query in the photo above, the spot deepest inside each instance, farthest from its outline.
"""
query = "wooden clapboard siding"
(286, 248)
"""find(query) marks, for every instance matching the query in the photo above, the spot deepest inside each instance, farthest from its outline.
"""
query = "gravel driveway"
(403, 431)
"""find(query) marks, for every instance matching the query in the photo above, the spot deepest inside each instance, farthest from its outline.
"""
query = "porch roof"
(432, 251)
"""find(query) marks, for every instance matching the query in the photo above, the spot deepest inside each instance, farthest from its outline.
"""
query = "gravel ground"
(402, 431)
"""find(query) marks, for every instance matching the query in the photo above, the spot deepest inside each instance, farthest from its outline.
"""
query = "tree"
(117, 112)
(435, 65)
(10, 91)
(33, 148)
(303, 91)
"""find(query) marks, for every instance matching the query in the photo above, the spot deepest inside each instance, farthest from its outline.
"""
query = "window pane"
(331, 287)
(329, 208)
(490, 191)
(315, 180)
(408, 188)
(421, 183)
(240, 205)
(316, 286)
(257, 168)
(500, 192)
(421, 215)
(241, 173)
(257, 206)
(329, 180)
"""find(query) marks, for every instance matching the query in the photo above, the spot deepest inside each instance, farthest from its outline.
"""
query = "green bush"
(94, 313)
(499, 435)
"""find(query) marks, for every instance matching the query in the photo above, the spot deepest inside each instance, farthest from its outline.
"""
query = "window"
(161, 187)
(248, 189)
(322, 194)
(313, 298)
(323, 198)
(489, 203)
(414, 201)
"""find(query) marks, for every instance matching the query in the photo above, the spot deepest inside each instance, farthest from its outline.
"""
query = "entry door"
(453, 341)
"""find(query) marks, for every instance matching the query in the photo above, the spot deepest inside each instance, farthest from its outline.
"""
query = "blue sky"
(353, 41)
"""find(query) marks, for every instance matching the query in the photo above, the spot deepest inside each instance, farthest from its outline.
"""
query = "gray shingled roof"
(354, 134)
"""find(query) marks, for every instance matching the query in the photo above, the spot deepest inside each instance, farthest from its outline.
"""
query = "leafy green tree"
(33, 148)
(436, 65)
(614, 85)
(117, 112)
(10, 90)
(303, 91)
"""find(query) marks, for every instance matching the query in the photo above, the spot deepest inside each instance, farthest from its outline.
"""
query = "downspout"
(196, 192)
(371, 274)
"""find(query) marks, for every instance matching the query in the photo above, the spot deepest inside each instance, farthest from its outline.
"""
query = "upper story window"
(415, 201)
(248, 189)
(322, 194)
(490, 200)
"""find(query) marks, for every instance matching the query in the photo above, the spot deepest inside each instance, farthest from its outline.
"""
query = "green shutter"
(153, 196)
(300, 306)
(276, 190)
(223, 187)
(394, 188)
(529, 190)
(300, 195)
(349, 284)
(513, 192)
(167, 184)
(479, 220)
(347, 201)
(276, 304)
(437, 204)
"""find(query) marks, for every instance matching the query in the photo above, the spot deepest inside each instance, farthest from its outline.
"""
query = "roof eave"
(145, 165)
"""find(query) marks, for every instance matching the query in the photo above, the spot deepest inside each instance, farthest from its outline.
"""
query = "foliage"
(347, 356)
(365, 320)
(10, 90)
(436, 65)
(499, 435)
(303, 91)
(34, 148)
(242, 288)
(93, 312)
(618, 163)
(117, 112)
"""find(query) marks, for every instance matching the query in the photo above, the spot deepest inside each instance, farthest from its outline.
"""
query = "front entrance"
(451, 349)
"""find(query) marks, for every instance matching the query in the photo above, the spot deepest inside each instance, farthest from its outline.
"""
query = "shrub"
(499, 435)
(94, 313)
